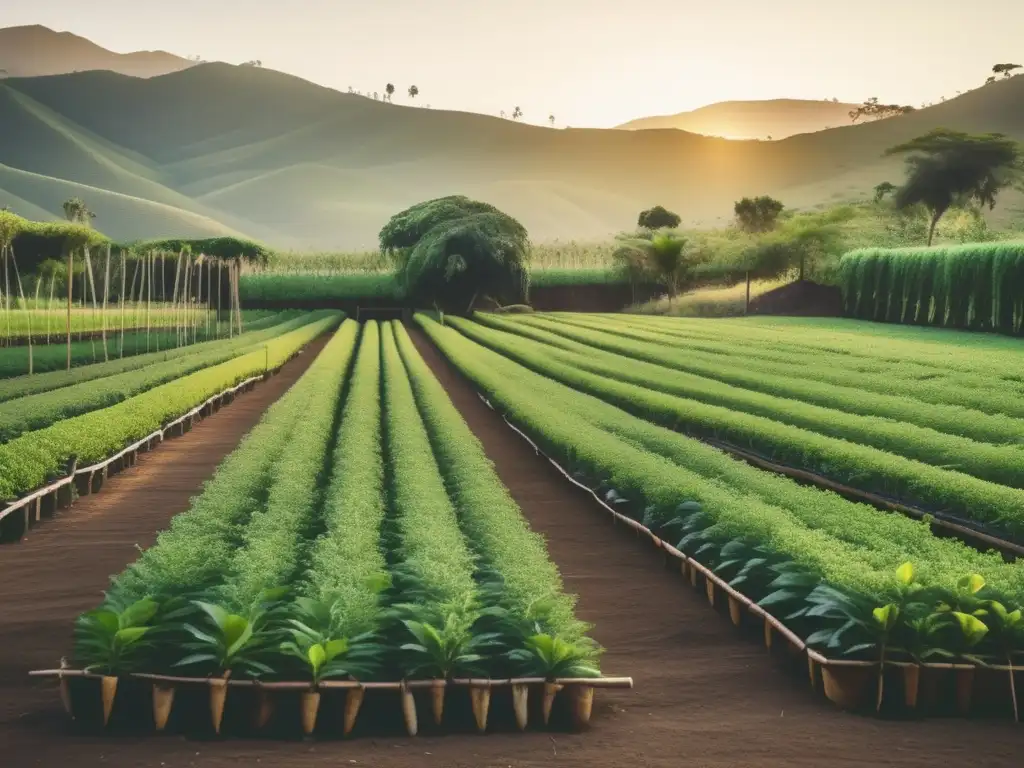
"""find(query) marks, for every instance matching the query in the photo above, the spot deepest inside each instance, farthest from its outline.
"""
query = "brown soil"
(704, 695)
(802, 299)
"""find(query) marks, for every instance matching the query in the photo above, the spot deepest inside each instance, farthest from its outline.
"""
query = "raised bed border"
(580, 692)
(90, 479)
(845, 682)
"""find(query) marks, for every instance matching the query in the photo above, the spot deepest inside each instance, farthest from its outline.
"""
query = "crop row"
(923, 348)
(949, 419)
(29, 461)
(51, 358)
(829, 566)
(36, 411)
(985, 392)
(856, 465)
(305, 559)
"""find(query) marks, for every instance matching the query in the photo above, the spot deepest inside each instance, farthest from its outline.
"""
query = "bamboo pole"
(124, 270)
(106, 292)
(199, 297)
(49, 305)
(21, 293)
(147, 286)
(92, 287)
(71, 267)
(174, 300)
(7, 296)
(220, 291)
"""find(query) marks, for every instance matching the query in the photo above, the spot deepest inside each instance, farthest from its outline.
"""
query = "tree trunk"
(106, 293)
(931, 229)
(49, 305)
(803, 259)
(746, 307)
(21, 295)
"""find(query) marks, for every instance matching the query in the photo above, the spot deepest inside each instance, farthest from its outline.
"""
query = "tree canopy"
(757, 214)
(873, 110)
(215, 247)
(664, 257)
(658, 218)
(947, 168)
(453, 250)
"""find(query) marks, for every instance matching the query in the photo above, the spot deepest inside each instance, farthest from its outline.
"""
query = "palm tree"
(390, 91)
(414, 91)
(517, 113)
(662, 255)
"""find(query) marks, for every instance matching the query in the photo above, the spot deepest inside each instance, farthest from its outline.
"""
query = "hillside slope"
(298, 165)
(775, 118)
(36, 50)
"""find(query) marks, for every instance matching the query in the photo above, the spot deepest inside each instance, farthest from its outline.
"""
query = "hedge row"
(979, 286)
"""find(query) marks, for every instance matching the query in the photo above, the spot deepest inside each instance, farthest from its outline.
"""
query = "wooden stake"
(709, 587)
(911, 685)
(480, 696)
(520, 703)
(409, 711)
(735, 611)
(218, 697)
(353, 701)
(767, 634)
(108, 690)
(582, 705)
(310, 707)
(65, 696)
(265, 710)
(550, 689)
(163, 700)
(437, 692)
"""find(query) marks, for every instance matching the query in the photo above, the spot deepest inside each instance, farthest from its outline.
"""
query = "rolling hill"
(215, 149)
(776, 119)
(37, 50)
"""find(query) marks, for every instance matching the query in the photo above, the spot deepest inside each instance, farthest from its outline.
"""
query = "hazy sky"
(590, 62)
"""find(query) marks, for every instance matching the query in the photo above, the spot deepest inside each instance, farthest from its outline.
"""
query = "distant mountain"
(778, 119)
(218, 148)
(36, 50)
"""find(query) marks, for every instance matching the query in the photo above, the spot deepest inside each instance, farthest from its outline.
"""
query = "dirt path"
(704, 696)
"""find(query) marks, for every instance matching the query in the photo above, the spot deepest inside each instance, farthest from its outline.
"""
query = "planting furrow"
(491, 520)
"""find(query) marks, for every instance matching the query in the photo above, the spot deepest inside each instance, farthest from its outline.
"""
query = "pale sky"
(589, 62)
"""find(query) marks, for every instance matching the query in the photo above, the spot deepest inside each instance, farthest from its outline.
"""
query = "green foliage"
(758, 214)
(946, 167)
(658, 218)
(226, 248)
(228, 642)
(30, 460)
(829, 444)
(347, 565)
(776, 541)
(113, 640)
(659, 256)
(37, 411)
(980, 287)
(452, 250)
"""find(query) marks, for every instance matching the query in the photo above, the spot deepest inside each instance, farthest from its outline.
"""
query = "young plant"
(230, 642)
(448, 643)
(112, 641)
(551, 657)
(322, 652)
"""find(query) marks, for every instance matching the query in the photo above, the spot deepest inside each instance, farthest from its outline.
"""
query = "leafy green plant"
(551, 657)
(229, 642)
(113, 640)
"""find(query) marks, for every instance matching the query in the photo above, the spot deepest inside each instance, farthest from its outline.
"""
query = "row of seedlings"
(857, 588)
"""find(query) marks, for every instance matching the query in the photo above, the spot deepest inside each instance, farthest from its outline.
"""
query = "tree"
(883, 189)
(872, 110)
(389, 90)
(551, 119)
(517, 113)
(376, 96)
(450, 251)
(990, 80)
(946, 168)
(658, 218)
(1005, 69)
(664, 256)
(757, 214)
(414, 91)
(76, 212)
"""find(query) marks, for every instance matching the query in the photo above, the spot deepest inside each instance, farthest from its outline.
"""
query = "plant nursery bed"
(893, 688)
(18, 516)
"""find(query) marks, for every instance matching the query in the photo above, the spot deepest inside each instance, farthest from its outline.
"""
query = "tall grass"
(978, 287)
